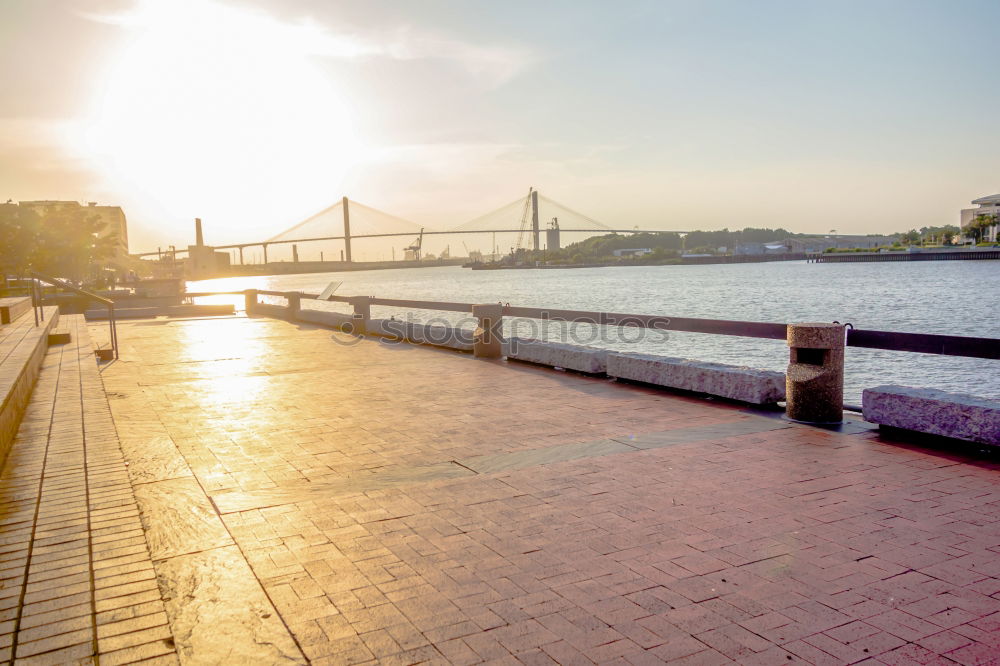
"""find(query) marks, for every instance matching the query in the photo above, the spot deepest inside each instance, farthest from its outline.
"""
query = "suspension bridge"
(347, 221)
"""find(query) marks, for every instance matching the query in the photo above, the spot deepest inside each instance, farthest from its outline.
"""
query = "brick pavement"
(76, 580)
(590, 521)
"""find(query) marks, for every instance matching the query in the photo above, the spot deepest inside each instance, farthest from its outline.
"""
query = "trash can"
(250, 298)
(814, 383)
(487, 342)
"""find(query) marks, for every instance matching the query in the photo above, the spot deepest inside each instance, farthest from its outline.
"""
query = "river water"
(948, 297)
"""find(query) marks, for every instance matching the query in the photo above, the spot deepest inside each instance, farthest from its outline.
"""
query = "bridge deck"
(402, 504)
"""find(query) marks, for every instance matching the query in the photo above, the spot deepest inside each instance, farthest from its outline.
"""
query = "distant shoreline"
(824, 258)
(678, 261)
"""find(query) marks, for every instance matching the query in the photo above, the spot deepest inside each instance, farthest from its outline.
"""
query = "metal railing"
(924, 343)
(37, 297)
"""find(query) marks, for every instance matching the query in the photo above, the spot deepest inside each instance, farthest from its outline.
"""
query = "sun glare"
(217, 111)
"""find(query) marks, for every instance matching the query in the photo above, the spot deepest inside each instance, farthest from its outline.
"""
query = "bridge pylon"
(534, 220)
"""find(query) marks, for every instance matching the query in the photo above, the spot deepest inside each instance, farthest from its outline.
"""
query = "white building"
(810, 244)
(987, 206)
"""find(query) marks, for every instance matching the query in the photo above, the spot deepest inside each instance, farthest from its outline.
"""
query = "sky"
(860, 116)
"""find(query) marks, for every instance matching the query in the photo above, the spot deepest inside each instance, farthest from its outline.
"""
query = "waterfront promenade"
(299, 499)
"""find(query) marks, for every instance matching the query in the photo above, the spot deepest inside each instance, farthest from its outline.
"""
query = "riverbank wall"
(867, 257)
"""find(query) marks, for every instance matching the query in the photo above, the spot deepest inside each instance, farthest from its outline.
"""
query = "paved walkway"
(76, 579)
(304, 499)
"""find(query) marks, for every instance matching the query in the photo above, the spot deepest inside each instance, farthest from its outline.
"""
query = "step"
(22, 348)
(60, 335)
(13, 307)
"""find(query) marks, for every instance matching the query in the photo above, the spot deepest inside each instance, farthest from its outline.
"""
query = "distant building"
(776, 247)
(113, 218)
(552, 241)
(986, 206)
(203, 261)
(813, 244)
(632, 252)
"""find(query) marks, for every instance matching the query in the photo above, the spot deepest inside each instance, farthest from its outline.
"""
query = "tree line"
(667, 247)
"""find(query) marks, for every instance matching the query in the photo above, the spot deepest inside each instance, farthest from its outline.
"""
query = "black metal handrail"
(36, 302)
(924, 343)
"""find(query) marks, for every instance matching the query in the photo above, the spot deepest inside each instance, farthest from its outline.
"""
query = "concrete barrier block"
(335, 320)
(440, 336)
(269, 310)
(557, 355)
(935, 412)
(759, 387)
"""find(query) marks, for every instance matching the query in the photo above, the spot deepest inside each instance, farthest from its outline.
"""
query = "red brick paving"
(794, 545)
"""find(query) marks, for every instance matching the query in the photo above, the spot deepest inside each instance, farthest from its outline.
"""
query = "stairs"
(22, 348)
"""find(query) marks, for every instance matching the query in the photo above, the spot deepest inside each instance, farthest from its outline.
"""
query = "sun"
(218, 111)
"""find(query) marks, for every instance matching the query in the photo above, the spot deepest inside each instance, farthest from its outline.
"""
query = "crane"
(412, 253)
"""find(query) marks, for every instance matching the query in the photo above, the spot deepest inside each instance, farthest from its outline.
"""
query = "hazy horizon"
(856, 116)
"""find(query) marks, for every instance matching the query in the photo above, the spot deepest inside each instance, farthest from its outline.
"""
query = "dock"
(254, 490)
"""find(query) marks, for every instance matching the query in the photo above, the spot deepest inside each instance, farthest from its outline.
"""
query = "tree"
(753, 235)
(62, 242)
(19, 230)
(977, 228)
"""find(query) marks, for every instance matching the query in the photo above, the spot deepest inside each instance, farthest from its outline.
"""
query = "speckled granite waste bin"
(814, 389)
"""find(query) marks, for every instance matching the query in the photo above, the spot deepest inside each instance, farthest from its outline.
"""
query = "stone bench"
(759, 387)
(337, 320)
(396, 329)
(12, 308)
(956, 415)
(439, 336)
(269, 310)
(558, 355)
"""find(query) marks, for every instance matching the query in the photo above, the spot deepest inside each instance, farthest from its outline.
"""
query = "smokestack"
(199, 240)
(347, 229)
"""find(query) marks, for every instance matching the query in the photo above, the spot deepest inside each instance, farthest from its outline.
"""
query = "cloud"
(36, 164)
(493, 65)
(490, 65)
